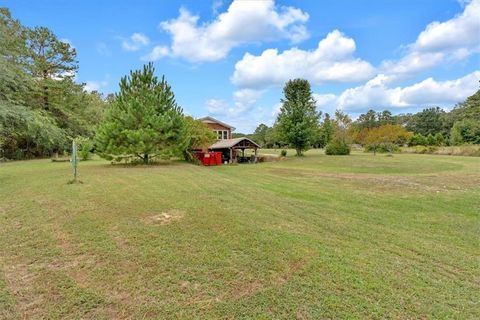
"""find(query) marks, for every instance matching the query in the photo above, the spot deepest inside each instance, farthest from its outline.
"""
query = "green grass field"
(310, 238)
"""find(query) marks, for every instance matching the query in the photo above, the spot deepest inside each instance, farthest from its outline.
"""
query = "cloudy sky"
(230, 59)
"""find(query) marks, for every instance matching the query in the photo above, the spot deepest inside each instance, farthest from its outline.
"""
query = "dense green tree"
(325, 132)
(26, 133)
(298, 117)
(50, 62)
(386, 137)
(200, 137)
(260, 134)
(465, 131)
(418, 140)
(342, 136)
(469, 109)
(367, 120)
(144, 120)
(428, 121)
(385, 117)
(15, 83)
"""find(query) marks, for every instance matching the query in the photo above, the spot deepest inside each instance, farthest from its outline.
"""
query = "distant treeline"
(42, 109)
(431, 126)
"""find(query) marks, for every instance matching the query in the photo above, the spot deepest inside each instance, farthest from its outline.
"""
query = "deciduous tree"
(298, 118)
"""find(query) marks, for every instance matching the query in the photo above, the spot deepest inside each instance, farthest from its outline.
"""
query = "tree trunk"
(145, 158)
(299, 152)
(45, 91)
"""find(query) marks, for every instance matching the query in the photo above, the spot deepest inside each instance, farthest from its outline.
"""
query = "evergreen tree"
(50, 61)
(144, 120)
(298, 118)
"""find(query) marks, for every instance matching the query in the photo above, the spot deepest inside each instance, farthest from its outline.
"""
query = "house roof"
(211, 119)
(229, 143)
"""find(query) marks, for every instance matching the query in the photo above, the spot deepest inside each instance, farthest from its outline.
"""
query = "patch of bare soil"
(20, 281)
(164, 218)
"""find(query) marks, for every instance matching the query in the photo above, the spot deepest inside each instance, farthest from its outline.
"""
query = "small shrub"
(283, 153)
(383, 148)
(337, 147)
(84, 149)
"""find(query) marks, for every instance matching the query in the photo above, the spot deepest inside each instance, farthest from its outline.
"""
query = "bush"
(465, 150)
(465, 131)
(418, 140)
(283, 153)
(85, 147)
(383, 148)
(337, 147)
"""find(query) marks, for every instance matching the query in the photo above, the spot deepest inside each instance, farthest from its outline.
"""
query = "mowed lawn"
(317, 237)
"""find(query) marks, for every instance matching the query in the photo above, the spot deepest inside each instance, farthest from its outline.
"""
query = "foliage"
(461, 150)
(41, 105)
(144, 121)
(337, 147)
(325, 132)
(51, 61)
(84, 147)
(429, 121)
(199, 137)
(465, 131)
(25, 133)
(298, 118)
(469, 109)
(260, 135)
(418, 140)
(386, 137)
(283, 153)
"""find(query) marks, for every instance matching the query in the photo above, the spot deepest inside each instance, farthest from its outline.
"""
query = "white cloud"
(331, 61)
(135, 42)
(377, 94)
(157, 53)
(243, 22)
(243, 101)
(96, 85)
(453, 40)
(217, 106)
(462, 31)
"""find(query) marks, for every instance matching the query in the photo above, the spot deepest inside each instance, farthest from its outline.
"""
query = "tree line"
(42, 109)
(41, 105)
(301, 126)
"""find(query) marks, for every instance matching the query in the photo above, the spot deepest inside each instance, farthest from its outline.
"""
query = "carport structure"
(230, 149)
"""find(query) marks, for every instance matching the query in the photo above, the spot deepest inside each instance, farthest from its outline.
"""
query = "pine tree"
(144, 120)
(51, 61)
(298, 118)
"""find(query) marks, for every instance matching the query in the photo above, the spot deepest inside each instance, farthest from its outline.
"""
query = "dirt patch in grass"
(164, 218)
(20, 280)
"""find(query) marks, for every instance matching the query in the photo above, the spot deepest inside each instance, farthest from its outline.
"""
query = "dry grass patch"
(164, 218)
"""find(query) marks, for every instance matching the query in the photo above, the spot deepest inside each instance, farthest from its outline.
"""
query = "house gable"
(221, 129)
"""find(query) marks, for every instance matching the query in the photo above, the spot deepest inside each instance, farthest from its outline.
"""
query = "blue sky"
(230, 59)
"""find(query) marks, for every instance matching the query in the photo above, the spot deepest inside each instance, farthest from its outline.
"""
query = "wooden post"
(231, 155)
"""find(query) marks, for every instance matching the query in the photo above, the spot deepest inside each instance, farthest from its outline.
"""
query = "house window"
(222, 134)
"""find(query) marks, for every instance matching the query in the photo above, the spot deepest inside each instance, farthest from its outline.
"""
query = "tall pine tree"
(144, 120)
(298, 118)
